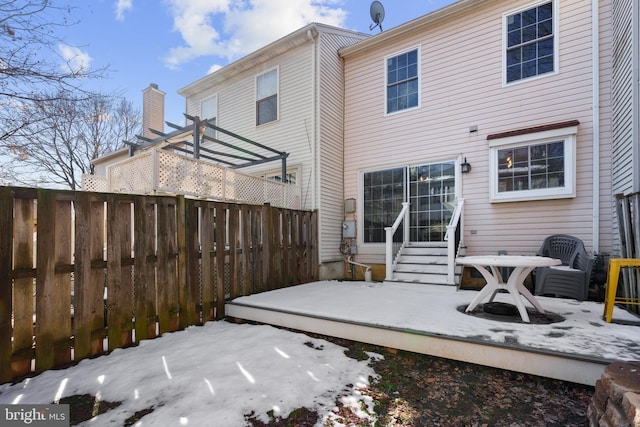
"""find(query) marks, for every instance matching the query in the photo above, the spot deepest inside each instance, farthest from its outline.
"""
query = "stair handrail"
(391, 254)
(454, 228)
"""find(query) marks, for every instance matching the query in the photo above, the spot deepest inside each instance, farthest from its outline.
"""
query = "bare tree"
(65, 135)
(51, 127)
(32, 69)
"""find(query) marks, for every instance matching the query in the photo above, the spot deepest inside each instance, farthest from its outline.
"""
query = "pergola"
(190, 139)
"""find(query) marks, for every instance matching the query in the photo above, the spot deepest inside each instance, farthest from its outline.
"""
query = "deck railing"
(453, 237)
(83, 273)
(163, 172)
(393, 245)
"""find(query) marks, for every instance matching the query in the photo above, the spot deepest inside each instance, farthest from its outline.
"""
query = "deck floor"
(430, 319)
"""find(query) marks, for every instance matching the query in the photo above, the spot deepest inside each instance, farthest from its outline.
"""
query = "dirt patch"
(420, 390)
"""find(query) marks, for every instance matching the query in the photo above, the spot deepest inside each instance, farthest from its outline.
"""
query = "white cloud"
(121, 7)
(75, 60)
(214, 68)
(232, 28)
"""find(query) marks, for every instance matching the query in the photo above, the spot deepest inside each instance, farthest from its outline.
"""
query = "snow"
(434, 309)
(218, 373)
(209, 375)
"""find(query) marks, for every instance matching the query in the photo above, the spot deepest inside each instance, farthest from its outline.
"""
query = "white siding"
(622, 91)
(331, 128)
(461, 86)
(625, 110)
(236, 113)
(310, 125)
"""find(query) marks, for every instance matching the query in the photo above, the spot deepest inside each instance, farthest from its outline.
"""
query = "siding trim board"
(534, 129)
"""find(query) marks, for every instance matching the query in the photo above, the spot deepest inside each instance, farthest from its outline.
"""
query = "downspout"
(595, 63)
(311, 36)
(315, 164)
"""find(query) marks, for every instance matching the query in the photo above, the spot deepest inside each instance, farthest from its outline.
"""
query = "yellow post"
(612, 285)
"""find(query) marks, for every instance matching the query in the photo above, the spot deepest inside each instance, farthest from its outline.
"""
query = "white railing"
(159, 171)
(454, 238)
(391, 250)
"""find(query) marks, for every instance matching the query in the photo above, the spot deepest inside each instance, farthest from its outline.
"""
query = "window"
(209, 111)
(431, 197)
(277, 176)
(402, 81)
(267, 97)
(383, 197)
(530, 42)
(533, 166)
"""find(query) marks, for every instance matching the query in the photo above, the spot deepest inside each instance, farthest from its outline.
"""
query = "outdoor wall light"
(465, 167)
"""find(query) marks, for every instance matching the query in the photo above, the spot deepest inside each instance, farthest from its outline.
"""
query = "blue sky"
(174, 42)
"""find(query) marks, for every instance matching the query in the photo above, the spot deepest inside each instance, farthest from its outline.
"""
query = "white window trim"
(375, 248)
(255, 103)
(556, 42)
(209, 98)
(384, 68)
(568, 135)
(295, 169)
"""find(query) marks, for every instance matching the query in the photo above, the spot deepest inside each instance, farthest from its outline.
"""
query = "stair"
(422, 264)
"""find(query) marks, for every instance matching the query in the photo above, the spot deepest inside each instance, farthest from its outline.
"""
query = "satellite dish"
(377, 15)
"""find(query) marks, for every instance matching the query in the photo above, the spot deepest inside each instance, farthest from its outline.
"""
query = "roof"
(278, 47)
(414, 25)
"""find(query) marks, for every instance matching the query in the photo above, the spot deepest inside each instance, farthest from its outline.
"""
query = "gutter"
(595, 63)
(403, 30)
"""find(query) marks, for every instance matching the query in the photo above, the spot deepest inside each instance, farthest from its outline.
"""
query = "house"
(152, 118)
(517, 92)
(625, 116)
(495, 123)
(288, 95)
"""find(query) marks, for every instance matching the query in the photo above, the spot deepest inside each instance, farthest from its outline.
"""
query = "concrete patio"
(570, 343)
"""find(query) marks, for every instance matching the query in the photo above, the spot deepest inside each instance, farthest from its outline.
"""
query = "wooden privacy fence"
(84, 273)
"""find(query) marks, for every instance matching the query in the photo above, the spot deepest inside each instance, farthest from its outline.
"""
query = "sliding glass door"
(430, 190)
(432, 200)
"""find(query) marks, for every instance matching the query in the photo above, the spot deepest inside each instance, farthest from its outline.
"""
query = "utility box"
(350, 206)
(348, 229)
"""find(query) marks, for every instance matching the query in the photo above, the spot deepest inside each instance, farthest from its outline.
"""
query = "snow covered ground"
(219, 373)
(212, 375)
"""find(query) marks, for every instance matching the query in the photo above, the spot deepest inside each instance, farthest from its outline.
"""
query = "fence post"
(188, 283)
(206, 248)
(144, 267)
(234, 264)
(6, 303)
(313, 236)
(23, 288)
(245, 247)
(53, 291)
(267, 242)
(220, 233)
(168, 302)
(88, 305)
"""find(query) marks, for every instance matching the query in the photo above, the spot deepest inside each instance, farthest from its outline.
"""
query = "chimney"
(152, 110)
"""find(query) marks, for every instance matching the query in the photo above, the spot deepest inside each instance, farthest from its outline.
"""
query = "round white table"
(522, 266)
